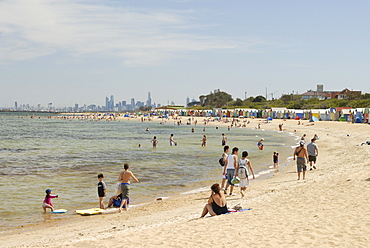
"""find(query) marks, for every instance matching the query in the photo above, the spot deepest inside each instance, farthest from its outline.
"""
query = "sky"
(80, 51)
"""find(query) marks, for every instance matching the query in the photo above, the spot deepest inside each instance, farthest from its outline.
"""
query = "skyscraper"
(133, 103)
(106, 103)
(149, 102)
(111, 106)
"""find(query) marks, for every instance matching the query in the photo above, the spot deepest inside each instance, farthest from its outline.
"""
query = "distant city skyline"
(110, 105)
(79, 51)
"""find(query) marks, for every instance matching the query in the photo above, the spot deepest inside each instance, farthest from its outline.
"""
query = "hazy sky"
(79, 51)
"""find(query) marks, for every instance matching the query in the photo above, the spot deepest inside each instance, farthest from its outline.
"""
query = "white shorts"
(244, 183)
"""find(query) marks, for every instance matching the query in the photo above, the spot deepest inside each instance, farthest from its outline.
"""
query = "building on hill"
(323, 95)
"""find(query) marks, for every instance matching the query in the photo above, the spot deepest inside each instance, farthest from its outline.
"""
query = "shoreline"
(328, 208)
(194, 188)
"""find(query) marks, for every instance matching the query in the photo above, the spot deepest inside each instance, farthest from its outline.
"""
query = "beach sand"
(329, 209)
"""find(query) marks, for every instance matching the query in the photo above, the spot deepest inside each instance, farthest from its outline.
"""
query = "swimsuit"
(217, 209)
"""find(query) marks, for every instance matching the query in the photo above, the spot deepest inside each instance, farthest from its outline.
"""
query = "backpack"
(221, 161)
(242, 171)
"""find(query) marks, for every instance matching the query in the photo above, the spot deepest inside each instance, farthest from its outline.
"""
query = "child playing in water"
(102, 190)
(47, 201)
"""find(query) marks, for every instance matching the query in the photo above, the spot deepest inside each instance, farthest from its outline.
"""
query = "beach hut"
(314, 118)
(299, 114)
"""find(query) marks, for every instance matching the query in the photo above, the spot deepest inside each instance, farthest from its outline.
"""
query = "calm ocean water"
(67, 155)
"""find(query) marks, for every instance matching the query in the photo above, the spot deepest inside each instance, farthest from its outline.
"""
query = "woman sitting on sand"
(216, 203)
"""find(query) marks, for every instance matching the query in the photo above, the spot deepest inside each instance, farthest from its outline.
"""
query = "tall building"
(111, 105)
(149, 102)
(106, 103)
(133, 103)
(187, 101)
(16, 105)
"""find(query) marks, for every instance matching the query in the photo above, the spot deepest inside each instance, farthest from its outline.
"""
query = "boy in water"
(172, 142)
(102, 190)
(124, 178)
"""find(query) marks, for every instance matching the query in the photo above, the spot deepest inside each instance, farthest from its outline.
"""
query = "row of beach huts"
(355, 115)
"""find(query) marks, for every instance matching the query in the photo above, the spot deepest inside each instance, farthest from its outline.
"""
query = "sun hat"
(48, 191)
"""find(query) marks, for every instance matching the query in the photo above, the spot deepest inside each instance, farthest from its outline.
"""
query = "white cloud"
(30, 29)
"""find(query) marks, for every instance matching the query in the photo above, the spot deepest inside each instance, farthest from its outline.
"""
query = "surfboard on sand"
(59, 211)
(90, 211)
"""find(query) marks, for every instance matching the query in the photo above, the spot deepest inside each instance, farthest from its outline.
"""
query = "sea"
(66, 155)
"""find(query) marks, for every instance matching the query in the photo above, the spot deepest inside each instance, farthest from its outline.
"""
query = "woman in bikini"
(216, 203)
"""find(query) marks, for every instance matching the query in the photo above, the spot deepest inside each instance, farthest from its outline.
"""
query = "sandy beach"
(329, 209)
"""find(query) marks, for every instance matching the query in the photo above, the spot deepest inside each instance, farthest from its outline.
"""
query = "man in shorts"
(124, 178)
(313, 152)
(301, 153)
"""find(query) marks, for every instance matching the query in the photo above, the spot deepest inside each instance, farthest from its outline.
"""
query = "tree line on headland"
(221, 99)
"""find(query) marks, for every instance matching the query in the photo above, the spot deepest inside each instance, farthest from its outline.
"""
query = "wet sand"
(329, 209)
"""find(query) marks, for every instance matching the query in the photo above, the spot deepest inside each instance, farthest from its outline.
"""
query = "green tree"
(238, 102)
(259, 99)
(216, 99)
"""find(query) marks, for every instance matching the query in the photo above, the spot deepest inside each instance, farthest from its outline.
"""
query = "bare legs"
(208, 209)
(101, 202)
(124, 202)
(304, 175)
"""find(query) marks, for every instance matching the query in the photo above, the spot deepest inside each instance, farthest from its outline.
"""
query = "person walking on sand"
(313, 152)
(224, 139)
(154, 141)
(242, 172)
(102, 190)
(301, 153)
(124, 178)
(230, 168)
(223, 160)
(275, 158)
